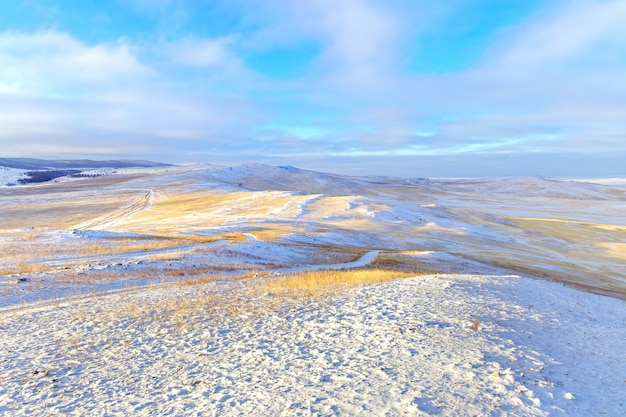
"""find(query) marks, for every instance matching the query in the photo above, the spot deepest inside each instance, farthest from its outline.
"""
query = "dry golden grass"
(24, 268)
(23, 255)
(195, 274)
(171, 211)
(47, 206)
(185, 304)
(572, 230)
(614, 249)
(182, 304)
(475, 324)
(403, 262)
(320, 283)
(326, 253)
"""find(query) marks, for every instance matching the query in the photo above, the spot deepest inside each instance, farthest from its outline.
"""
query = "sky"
(411, 88)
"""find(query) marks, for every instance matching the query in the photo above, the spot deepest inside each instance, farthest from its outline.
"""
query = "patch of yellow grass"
(319, 283)
(24, 268)
(614, 249)
(602, 226)
(186, 304)
(408, 260)
(572, 230)
(126, 245)
(24, 254)
(47, 207)
(172, 211)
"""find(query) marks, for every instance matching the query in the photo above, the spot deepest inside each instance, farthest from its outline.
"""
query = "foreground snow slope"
(399, 348)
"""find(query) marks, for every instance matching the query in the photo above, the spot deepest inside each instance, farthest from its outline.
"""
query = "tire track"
(113, 218)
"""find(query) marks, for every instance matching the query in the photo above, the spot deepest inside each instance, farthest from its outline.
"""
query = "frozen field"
(149, 292)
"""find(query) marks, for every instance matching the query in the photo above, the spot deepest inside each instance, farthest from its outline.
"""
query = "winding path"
(364, 260)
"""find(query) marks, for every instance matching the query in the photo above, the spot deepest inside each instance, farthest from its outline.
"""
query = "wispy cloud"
(201, 53)
(584, 32)
(50, 61)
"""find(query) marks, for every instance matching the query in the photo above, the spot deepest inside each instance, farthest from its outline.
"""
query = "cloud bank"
(325, 85)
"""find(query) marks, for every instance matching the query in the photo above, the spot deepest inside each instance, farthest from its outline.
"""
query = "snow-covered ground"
(604, 181)
(400, 348)
(11, 176)
(134, 293)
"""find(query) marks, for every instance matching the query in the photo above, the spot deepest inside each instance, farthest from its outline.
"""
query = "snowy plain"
(133, 293)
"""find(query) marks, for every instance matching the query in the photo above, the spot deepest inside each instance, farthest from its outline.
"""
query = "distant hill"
(45, 164)
(19, 171)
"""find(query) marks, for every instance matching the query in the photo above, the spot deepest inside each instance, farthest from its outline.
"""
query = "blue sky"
(382, 87)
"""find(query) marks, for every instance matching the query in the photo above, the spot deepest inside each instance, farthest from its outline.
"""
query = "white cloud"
(362, 40)
(53, 62)
(57, 91)
(573, 31)
(357, 75)
(553, 84)
(202, 53)
(359, 40)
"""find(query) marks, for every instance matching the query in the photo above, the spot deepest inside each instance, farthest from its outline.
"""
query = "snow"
(399, 348)
(604, 181)
(114, 301)
(11, 176)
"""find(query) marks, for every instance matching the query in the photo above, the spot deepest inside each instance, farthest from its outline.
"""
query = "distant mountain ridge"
(45, 164)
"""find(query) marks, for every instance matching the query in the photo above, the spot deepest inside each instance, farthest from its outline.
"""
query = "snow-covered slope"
(400, 348)
(10, 176)
(14, 171)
